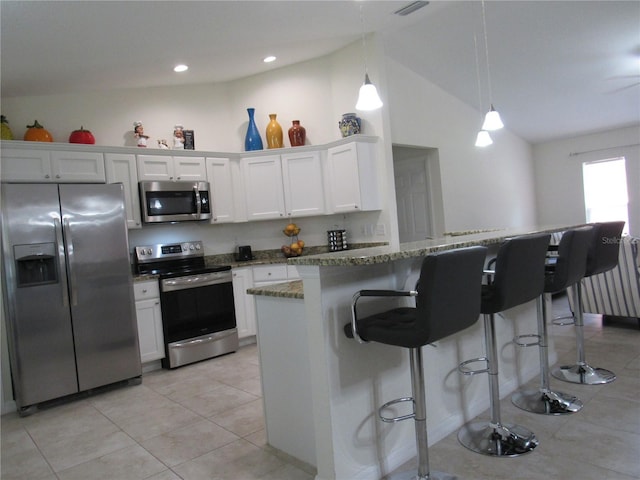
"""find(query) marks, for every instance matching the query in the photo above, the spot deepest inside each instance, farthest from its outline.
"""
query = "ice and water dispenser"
(35, 264)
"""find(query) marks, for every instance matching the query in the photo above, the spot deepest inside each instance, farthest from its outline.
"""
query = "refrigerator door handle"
(61, 259)
(70, 262)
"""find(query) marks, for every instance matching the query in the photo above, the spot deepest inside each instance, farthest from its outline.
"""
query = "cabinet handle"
(47, 176)
(144, 290)
(57, 176)
(157, 303)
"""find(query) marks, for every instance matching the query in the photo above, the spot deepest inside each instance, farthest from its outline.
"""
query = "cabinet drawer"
(292, 273)
(270, 273)
(145, 290)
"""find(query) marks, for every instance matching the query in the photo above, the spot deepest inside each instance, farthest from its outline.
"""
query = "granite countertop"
(282, 290)
(384, 254)
(269, 257)
(260, 257)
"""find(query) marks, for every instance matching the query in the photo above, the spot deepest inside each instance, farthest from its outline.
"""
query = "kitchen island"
(322, 390)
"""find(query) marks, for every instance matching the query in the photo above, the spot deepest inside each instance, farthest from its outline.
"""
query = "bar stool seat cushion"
(509, 287)
(447, 302)
(571, 261)
(604, 250)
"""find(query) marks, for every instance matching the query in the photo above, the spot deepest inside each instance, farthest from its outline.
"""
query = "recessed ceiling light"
(269, 59)
(180, 68)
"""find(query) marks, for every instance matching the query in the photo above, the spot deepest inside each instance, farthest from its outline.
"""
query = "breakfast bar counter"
(322, 390)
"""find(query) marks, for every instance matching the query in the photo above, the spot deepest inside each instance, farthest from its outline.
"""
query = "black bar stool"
(602, 256)
(447, 301)
(518, 278)
(565, 268)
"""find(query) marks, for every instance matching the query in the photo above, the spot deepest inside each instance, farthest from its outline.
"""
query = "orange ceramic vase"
(274, 133)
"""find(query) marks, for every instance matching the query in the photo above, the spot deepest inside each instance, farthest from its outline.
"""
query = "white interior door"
(412, 198)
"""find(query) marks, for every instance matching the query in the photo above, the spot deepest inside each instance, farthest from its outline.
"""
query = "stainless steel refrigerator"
(70, 311)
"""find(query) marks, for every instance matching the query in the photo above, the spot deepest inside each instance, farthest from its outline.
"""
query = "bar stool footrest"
(462, 368)
(400, 417)
(562, 321)
(517, 340)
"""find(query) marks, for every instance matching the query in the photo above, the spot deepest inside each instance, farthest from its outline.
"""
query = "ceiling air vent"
(410, 8)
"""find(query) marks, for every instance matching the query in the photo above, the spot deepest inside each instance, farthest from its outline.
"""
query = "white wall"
(489, 187)
(216, 112)
(558, 174)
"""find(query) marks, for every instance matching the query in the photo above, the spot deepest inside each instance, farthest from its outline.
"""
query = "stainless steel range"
(198, 313)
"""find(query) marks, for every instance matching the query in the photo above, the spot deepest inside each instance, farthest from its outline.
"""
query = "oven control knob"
(197, 246)
(149, 251)
(191, 246)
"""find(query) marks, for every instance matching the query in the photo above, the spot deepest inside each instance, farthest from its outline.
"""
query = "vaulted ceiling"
(556, 68)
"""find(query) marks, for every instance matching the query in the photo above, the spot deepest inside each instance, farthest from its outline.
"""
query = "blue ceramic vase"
(252, 141)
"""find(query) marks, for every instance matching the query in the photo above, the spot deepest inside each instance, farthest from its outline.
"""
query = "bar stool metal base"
(546, 403)
(413, 475)
(504, 440)
(583, 374)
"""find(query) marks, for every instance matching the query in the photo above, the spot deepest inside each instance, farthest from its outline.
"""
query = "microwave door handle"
(61, 256)
(198, 202)
(70, 261)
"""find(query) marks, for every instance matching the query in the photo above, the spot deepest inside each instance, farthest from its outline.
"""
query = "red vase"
(297, 134)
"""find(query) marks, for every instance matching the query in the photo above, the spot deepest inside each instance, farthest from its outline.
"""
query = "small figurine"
(178, 138)
(163, 144)
(138, 132)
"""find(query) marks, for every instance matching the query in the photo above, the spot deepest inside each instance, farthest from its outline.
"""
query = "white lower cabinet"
(149, 317)
(257, 276)
(244, 303)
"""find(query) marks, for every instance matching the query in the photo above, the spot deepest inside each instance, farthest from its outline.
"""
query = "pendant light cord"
(364, 43)
(475, 49)
(486, 55)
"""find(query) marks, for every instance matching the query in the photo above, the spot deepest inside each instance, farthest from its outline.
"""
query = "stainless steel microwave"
(175, 201)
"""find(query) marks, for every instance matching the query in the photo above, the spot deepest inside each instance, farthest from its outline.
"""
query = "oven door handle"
(193, 281)
(196, 191)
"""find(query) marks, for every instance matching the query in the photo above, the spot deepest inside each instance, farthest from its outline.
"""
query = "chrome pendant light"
(368, 98)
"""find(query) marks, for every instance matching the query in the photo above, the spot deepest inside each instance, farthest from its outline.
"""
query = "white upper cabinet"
(121, 168)
(25, 165)
(263, 189)
(303, 184)
(352, 185)
(221, 182)
(173, 169)
(288, 185)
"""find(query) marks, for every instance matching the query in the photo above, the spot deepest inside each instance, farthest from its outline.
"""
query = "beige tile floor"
(205, 421)
(601, 442)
